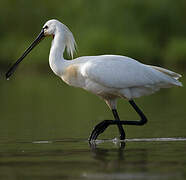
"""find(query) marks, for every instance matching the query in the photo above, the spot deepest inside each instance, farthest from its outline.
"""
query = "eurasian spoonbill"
(108, 76)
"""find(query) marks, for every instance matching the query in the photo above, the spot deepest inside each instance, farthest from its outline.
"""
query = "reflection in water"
(122, 163)
(102, 154)
(109, 159)
(132, 176)
(73, 159)
(115, 158)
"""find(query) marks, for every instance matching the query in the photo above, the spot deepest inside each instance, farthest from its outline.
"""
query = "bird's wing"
(122, 72)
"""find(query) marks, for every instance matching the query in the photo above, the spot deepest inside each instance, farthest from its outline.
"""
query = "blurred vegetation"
(153, 31)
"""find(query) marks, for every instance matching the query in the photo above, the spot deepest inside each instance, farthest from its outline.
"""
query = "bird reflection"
(109, 158)
(119, 159)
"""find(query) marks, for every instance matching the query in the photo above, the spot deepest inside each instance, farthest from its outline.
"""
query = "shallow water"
(108, 159)
(45, 125)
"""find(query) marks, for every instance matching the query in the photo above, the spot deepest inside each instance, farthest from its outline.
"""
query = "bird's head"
(50, 28)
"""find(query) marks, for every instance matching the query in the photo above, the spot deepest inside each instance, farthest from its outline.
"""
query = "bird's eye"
(46, 27)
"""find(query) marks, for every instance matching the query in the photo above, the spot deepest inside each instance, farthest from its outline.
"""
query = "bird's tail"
(172, 74)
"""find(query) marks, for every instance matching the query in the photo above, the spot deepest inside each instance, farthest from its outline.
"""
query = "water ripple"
(115, 140)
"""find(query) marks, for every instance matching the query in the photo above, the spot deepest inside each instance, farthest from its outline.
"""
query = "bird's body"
(114, 76)
(108, 76)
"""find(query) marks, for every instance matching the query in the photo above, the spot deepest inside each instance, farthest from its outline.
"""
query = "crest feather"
(70, 42)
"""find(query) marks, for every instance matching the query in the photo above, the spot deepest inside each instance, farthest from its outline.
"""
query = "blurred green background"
(35, 104)
(151, 31)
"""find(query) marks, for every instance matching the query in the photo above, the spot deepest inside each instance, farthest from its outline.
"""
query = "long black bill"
(14, 66)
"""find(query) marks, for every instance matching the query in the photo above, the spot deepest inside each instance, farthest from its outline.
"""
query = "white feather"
(70, 42)
(123, 72)
(168, 72)
(125, 75)
(108, 76)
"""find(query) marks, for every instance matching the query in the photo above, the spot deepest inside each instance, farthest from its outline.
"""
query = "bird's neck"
(56, 60)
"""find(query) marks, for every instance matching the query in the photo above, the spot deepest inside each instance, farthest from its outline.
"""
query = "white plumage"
(108, 76)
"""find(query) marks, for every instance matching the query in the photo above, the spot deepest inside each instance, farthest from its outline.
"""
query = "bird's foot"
(122, 136)
(100, 128)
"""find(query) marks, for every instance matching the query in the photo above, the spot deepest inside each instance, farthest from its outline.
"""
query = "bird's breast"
(72, 76)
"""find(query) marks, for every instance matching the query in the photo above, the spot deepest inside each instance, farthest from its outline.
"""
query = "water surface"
(109, 159)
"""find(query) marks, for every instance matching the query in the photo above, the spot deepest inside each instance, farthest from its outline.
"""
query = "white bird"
(108, 76)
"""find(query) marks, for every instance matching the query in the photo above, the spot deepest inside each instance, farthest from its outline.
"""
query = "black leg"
(142, 116)
(121, 130)
(140, 122)
(100, 128)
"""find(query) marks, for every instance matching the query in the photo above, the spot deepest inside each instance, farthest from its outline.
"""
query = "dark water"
(75, 159)
(45, 125)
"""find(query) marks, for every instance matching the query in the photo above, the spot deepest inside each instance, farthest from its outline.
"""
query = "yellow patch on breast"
(71, 73)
